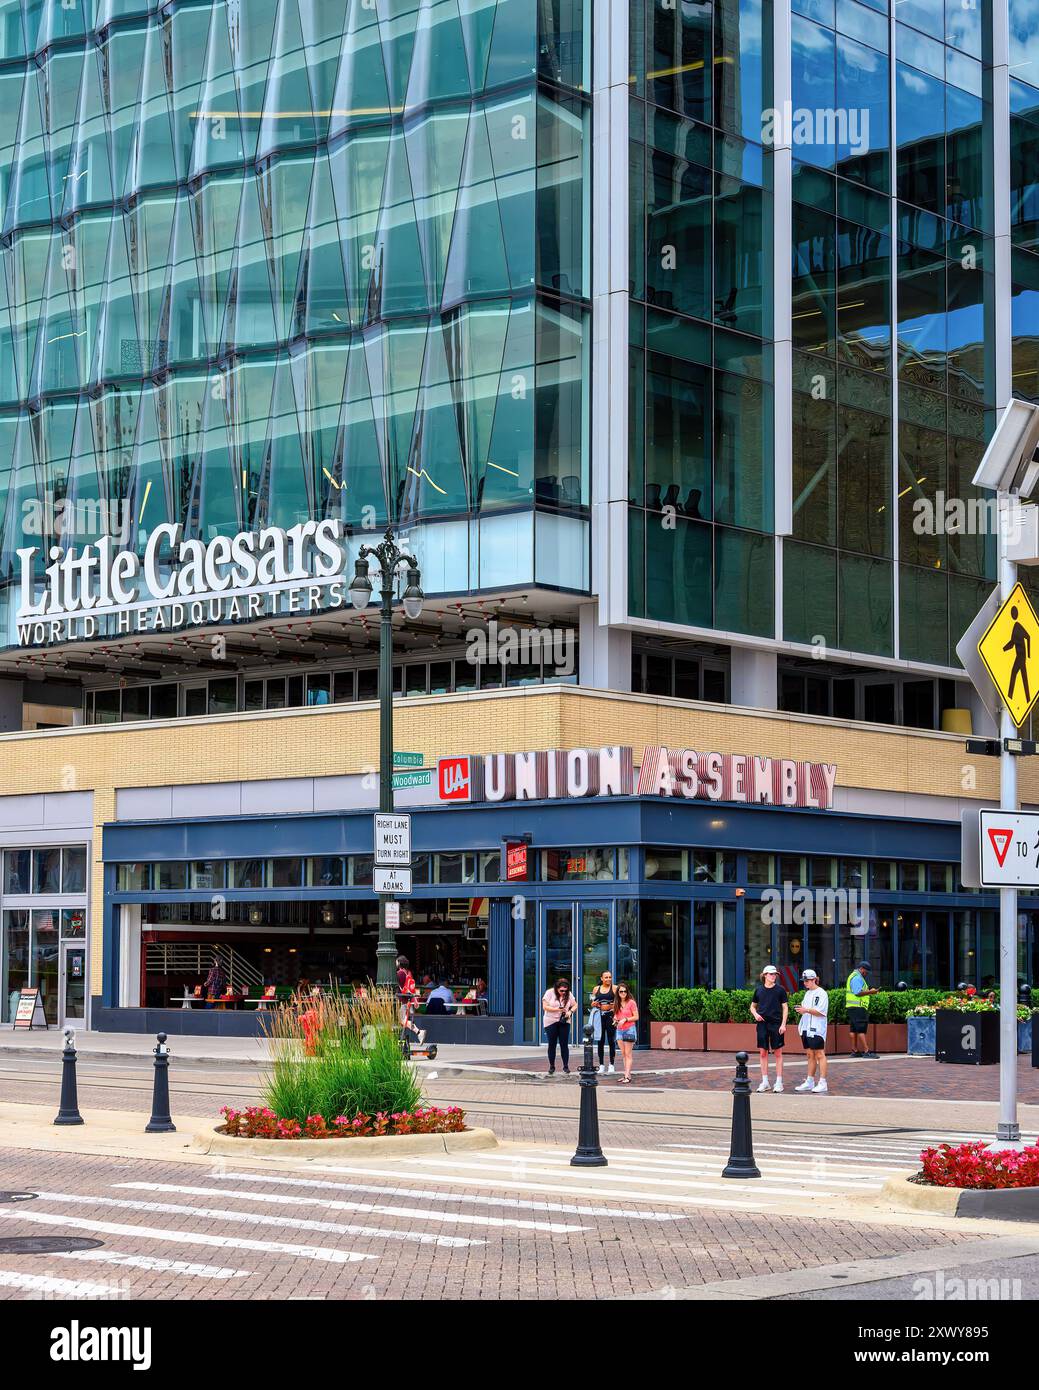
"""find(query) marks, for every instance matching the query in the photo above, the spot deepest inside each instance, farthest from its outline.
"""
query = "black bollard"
(589, 1154)
(741, 1148)
(68, 1105)
(161, 1121)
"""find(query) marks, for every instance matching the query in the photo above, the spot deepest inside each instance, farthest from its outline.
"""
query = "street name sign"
(408, 760)
(412, 779)
(1010, 651)
(392, 839)
(1009, 849)
(391, 880)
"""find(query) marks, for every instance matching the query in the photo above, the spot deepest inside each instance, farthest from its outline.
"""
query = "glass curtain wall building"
(273, 260)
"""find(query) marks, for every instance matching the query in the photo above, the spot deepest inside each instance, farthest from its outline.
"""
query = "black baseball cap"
(864, 965)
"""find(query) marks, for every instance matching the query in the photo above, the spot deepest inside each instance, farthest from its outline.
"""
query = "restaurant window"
(851, 873)
(820, 872)
(319, 689)
(135, 703)
(253, 695)
(248, 873)
(790, 869)
(666, 863)
(939, 878)
(881, 875)
(759, 868)
(276, 693)
(910, 877)
(73, 869)
(106, 706)
(327, 871)
(164, 701)
(417, 679)
(450, 868)
(368, 684)
(294, 692)
(713, 866)
(439, 677)
(421, 867)
(576, 865)
(133, 878)
(170, 877)
(288, 873)
(223, 695)
(360, 866)
(204, 875)
(488, 865)
(343, 687)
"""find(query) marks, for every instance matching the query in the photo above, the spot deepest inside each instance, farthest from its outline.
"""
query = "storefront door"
(73, 986)
(573, 942)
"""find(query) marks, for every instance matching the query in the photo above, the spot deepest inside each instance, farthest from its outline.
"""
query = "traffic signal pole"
(1008, 1131)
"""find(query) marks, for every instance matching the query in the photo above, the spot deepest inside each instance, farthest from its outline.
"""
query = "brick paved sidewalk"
(908, 1078)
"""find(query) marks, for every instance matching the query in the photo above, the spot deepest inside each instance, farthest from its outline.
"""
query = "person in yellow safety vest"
(857, 993)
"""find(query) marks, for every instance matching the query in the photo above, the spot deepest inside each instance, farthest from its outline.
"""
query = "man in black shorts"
(857, 993)
(769, 1010)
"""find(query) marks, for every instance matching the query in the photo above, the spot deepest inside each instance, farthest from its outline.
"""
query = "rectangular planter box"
(966, 1039)
(732, 1037)
(678, 1037)
(888, 1037)
(920, 1035)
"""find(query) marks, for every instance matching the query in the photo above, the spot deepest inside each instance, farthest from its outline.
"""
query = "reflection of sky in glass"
(1024, 41)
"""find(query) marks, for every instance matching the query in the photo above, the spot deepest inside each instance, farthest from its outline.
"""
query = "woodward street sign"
(1009, 849)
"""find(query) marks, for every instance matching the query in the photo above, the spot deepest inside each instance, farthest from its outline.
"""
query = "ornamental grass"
(337, 1056)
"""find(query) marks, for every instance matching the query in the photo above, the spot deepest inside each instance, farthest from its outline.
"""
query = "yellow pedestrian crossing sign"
(1010, 651)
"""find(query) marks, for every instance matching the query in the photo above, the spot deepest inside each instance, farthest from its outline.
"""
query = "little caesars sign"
(97, 590)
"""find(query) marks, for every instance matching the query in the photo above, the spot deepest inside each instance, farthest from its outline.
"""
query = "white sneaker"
(611, 1069)
(822, 1089)
(764, 1086)
(421, 1036)
(601, 1068)
(778, 1088)
(806, 1085)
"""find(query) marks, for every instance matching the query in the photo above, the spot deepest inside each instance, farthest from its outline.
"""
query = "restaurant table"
(186, 1001)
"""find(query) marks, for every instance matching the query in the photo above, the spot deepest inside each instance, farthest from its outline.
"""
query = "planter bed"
(678, 1037)
(1003, 1204)
(213, 1141)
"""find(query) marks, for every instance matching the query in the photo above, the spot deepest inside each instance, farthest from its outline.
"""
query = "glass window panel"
(45, 957)
(46, 871)
(319, 689)
(223, 695)
(164, 702)
(663, 863)
(287, 873)
(74, 869)
(73, 922)
(327, 871)
(133, 877)
(17, 871)
(14, 962)
(249, 873)
(343, 687)
(170, 877)
(206, 874)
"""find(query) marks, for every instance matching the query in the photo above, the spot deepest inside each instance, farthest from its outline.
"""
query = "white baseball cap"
(769, 970)
(809, 975)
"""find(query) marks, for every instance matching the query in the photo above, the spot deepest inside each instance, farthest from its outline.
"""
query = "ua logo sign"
(454, 779)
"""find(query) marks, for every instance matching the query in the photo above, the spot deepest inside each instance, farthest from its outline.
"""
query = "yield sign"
(1001, 842)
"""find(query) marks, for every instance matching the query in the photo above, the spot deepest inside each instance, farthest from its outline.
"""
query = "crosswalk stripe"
(48, 1283)
(498, 1181)
(909, 1156)
(696, 1167)
(257, 1219)
(115, 1228)
(632, 1171)
(155, 1263)
(473, 1198)
(383, 1209)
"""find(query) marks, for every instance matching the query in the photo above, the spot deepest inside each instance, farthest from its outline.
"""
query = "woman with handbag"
(604, 998)
(557, 1008)
(626, 1017)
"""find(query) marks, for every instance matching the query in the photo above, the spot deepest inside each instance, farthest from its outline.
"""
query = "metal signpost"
(1010, 653)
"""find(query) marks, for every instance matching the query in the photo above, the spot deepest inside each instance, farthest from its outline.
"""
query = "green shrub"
(716, 1006)
(739, 1005)
(665, 1005)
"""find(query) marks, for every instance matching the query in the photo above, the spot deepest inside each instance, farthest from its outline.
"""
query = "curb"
(383, 1146)
(89, 1055)
(1006, 1204)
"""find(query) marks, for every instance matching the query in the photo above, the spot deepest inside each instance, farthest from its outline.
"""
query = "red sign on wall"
(455, 780)
(515, 862)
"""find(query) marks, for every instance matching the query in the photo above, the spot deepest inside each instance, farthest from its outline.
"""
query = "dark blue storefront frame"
(632, 822)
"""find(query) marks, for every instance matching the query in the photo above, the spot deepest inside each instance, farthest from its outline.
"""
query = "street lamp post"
(390, 558)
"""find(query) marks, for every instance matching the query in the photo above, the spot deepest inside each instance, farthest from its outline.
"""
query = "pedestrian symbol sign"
(1010, 651)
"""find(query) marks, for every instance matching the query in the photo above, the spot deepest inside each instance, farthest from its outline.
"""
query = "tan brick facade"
(342, 739)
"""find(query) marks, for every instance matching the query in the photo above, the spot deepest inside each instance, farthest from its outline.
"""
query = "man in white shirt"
(813, 1008)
